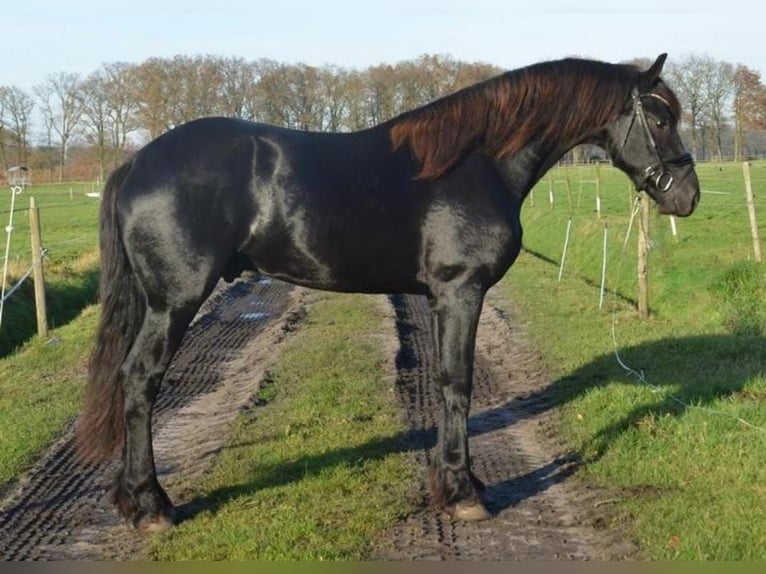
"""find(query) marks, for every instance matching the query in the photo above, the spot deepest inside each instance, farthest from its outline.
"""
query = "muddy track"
(536, 513)
(61, 509)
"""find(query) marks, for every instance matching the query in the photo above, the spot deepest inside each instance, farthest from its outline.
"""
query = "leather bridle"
(658, 172)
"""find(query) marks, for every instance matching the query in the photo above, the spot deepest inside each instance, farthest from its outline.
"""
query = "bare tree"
(154, 94)
(437, 77)
(291, 95)
(720, 90)
(96, 118)
(18, 105)
(122, 102)
(171, 92)
(333, 83)
(3, 156)
(414, 83)
(271, 93)
(303, 96)
(469, 74)
(690, 79)
(197, 81)
(61, 106)
(354, 93)
(50, 154)
(109, 112)
(161, 93)
(238, 88)
(381, 94)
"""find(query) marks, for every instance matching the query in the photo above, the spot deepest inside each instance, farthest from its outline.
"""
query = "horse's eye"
(662, 124)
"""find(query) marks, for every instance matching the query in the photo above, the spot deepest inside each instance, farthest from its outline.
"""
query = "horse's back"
(333, 211)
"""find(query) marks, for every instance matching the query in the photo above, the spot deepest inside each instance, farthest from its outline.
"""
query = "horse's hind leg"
(138, 495)
(456, 311)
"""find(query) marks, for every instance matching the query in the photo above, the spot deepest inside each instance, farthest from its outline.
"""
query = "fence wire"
(5, 296)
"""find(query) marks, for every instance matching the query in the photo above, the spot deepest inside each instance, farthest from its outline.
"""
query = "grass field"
(41, 388)
(318, 472)
(688, 481)
(69, 222)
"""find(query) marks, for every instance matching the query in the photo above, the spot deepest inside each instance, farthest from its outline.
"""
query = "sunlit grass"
(687, 480)
(317, 472)
(685, 472)
(69, 231)
(41, 387)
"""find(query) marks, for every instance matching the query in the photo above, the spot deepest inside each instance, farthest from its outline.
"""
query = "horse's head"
(644, 143)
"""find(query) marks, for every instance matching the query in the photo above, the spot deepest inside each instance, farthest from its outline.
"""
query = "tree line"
(101, 117)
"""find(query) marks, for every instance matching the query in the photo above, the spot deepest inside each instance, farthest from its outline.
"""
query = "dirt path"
(537, 515)
(62, 509)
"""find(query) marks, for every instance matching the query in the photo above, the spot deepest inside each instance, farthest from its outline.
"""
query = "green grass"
(690, 481)
(70, 234)
(317, 472)
(336, 489)
(69, 226)
(716, 237)
(42, 382)
(741, 291)
(41, 388)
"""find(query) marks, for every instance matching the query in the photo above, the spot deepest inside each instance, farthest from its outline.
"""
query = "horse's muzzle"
(681, 201)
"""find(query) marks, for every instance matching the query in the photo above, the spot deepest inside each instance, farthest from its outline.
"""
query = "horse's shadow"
(695, 370)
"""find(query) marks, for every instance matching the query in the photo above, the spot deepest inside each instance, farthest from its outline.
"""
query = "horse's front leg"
(455, 318)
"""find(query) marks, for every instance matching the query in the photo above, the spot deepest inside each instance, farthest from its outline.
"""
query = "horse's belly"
(349, 266)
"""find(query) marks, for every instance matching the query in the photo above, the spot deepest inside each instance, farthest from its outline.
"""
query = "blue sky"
(46, 36)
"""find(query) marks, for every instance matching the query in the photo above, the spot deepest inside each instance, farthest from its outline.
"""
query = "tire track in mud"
(61, 508)
(536, 515)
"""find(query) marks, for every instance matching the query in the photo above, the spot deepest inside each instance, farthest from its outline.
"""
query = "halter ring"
(664, 181)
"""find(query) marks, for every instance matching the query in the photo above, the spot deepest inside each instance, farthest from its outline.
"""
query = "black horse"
(426, 203)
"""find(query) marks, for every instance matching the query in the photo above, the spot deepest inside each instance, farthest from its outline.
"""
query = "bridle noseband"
(658, 173)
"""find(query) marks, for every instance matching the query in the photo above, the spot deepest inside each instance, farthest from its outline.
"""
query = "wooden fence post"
(643, 257)
(751, 212)
(37, 274)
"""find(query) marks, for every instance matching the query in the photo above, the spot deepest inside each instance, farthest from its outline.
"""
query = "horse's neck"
(524, 169)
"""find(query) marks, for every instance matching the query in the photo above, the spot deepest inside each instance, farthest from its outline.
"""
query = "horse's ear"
(649, 78)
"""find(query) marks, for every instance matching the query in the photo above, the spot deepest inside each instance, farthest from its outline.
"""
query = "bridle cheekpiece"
(658, 172)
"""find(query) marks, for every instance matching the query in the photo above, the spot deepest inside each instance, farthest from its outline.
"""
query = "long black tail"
(101, 431)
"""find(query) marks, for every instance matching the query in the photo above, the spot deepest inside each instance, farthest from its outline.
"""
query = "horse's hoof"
(469, 512)
(155, 524)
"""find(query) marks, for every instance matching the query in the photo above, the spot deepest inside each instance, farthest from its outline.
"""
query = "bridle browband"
(658, 173)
